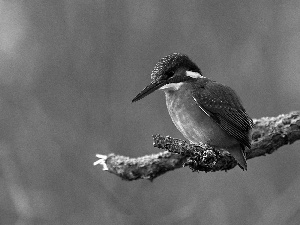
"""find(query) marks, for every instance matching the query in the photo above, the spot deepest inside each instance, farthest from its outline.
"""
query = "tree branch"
(268, 134)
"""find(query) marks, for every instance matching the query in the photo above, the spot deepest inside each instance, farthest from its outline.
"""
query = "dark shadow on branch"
(268, 134)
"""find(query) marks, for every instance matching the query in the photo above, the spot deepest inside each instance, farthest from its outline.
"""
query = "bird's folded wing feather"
(224, 107)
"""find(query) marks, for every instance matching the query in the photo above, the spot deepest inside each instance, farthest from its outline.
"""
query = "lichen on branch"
(268, 134)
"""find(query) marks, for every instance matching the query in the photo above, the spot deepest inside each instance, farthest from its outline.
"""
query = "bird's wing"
(223, 105)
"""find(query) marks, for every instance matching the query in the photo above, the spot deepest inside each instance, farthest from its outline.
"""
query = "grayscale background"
(68, 73)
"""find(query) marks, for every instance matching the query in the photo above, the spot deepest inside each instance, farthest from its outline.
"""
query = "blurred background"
(68, 73)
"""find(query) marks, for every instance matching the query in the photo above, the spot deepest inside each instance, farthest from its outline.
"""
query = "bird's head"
(169, 71)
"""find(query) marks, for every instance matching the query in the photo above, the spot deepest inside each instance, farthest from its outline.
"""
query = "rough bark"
(268, 134)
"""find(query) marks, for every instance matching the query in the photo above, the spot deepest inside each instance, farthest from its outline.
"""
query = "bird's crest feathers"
(167, 66)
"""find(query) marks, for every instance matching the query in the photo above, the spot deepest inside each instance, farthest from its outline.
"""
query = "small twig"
(268, 134)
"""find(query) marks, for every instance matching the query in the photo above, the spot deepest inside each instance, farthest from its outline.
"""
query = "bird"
(202, 109)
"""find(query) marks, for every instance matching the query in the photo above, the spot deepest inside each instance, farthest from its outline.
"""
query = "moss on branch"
(268, 134)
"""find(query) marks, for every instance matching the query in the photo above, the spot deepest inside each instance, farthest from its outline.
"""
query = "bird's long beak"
(149, 89)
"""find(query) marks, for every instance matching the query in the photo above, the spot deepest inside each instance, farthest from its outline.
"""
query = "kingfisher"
(203, 110)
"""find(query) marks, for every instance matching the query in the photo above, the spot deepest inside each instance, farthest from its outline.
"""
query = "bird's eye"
(170, 73)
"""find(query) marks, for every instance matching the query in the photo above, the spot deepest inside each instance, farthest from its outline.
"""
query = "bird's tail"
(238, 153)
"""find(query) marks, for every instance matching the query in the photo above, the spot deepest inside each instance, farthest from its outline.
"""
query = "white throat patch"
(194, 74)
(172, 86)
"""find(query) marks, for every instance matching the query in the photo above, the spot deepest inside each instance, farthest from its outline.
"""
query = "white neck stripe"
(194, 74)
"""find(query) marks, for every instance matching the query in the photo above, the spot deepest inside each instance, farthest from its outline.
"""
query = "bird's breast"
(192, 121)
